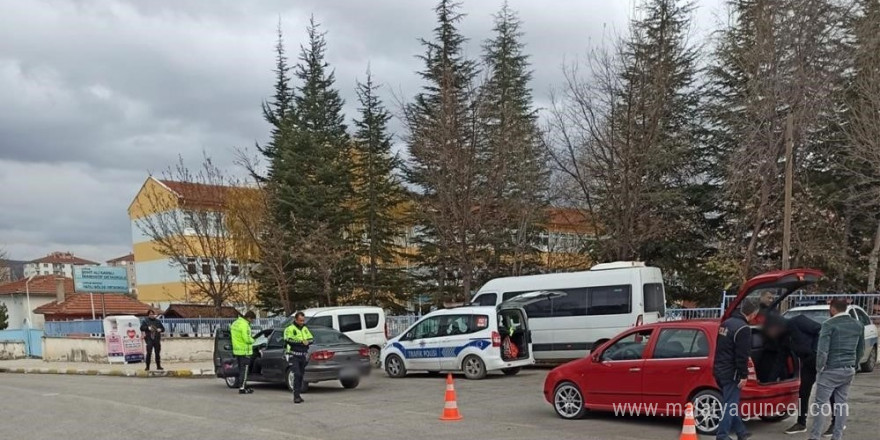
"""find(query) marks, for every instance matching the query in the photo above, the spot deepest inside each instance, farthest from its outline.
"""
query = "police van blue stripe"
(440, 352)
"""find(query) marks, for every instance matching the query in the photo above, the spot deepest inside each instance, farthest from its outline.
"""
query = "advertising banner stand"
(124, 339)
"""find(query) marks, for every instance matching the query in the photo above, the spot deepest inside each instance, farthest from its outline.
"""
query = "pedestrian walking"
(243, 349)
(152, 330)
(298, 338)
(731, 369)
(841, 345)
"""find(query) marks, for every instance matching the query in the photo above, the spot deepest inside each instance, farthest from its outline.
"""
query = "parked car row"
(607, 319)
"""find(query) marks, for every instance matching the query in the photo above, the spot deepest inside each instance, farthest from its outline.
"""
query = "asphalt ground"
(40, 407)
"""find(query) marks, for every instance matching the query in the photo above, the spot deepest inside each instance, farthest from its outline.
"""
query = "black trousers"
(298, 364)
(154, 346)
(808, 379)
(244, 367)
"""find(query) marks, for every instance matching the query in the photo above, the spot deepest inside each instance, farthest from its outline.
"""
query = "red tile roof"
(569, 220)
(80, 304)
(129, 257)
(63, 258)
(199, 311)
(198, 194)
(40, 285)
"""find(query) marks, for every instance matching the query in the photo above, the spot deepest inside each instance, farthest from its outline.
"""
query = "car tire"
(707, 411)
(568, 401)
(394, 366)
(350, 383)
(513, 371)
(376, 357)
(868, 366)
(230, 381)
(474, 368)
(288, 381)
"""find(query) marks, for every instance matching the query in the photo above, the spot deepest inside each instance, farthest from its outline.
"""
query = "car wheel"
(474, 367)
(289, 382)
(869, 365)
(230, 381)
(375, 357)
(394, 366)
(511, 371)
(350, 383)
(568, 401)
(707, 411)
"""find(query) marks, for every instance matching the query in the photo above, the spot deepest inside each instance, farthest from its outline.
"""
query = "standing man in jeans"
(731, 368)
(802, 337)
(152, 330)
(243, 349)
(841, 345)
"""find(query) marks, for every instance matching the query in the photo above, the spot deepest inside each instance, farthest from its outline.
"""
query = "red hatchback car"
(656, 369)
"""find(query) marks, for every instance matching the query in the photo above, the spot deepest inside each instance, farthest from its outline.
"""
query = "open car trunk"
(515, 337)
(774, 361)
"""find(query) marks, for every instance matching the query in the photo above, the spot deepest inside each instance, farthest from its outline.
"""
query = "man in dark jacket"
(802, 337)
(731, 367)
(152, 330)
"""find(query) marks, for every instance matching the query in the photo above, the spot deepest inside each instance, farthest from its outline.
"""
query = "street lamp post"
(27, 292)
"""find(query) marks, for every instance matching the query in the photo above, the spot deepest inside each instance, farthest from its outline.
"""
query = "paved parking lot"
(46, 406)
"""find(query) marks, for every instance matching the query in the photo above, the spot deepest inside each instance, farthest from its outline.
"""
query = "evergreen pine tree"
(445, 167)
(516, 161)
(378, 196)
(4, 317)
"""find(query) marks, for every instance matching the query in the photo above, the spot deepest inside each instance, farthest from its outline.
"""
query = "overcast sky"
(95, 95)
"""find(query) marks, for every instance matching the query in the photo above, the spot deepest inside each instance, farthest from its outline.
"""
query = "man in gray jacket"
(841, 345)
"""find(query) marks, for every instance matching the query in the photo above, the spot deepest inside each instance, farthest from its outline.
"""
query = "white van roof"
(618, 265)
(568, 279)
(352, 309)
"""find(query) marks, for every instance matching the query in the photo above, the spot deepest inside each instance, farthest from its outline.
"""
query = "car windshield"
(326, 336)
(819, 316)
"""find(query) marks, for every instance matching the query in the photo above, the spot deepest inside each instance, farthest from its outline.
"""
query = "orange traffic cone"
(450, 409)
(689, 430)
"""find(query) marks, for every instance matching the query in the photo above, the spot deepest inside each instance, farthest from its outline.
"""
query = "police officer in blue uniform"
(731, 367)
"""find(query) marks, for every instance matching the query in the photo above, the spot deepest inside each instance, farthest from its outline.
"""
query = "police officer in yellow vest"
(298, 338)
(243, 349)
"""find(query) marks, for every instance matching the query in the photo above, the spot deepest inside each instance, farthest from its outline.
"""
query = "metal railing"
(398, 324)
(179, 328)
(698, 313)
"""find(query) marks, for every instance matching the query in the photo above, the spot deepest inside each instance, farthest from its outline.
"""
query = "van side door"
(352, 324)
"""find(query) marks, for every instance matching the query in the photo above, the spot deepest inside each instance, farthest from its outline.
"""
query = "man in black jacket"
(731, 369)
(152, 330)
(802, 337)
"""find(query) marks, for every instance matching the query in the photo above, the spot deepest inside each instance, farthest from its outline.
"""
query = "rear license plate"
(349, 372)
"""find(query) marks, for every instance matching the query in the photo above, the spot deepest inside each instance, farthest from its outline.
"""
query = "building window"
(234, 268)
(220, 268)
(191, 265)
(206, 266)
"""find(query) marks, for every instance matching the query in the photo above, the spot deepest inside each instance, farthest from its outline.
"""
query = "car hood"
(786, 281)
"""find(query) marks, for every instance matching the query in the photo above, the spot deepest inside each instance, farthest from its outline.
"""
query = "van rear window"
(371, 320)
(655, 301)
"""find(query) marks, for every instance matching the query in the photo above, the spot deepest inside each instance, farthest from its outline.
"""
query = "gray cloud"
(96, 94)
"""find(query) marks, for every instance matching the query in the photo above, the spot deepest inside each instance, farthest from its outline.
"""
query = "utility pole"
(789, 171)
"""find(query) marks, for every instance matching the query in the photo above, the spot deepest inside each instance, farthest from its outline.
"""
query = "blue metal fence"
(32, 339)
(196, 327)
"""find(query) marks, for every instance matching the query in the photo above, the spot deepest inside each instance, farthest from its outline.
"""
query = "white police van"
(474, 340)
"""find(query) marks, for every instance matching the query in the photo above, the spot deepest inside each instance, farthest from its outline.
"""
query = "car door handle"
(693, 368)
(635, 370)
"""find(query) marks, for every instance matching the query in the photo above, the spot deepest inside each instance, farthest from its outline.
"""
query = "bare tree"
(187, 227)
(863, 131)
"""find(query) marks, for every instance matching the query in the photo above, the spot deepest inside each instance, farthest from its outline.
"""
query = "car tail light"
(364, 352)
(639, 320)
(753, 376)
(387, 331)
(496, 339)
(323, 355)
